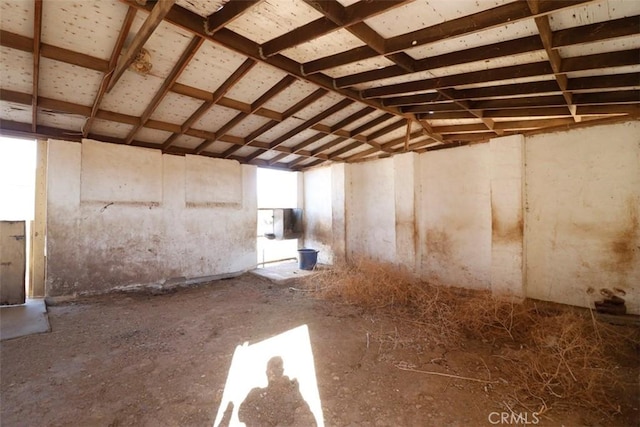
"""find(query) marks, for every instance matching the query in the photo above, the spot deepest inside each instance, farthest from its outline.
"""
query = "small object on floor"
(613, 304)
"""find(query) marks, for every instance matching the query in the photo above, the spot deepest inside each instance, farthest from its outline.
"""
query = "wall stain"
(438, 244)
(504, 231)
(624, 244)
(319, 233)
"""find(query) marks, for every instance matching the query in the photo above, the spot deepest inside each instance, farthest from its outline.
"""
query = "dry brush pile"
(551, 356)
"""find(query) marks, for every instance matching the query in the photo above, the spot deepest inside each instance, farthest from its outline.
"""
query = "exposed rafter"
(37, 33)
(475, 23)
(189, 52)
(115, 54)
(336, 17)
(215, 97)
(546, 35)
(229, 11)
(491, 87)
(160, 10)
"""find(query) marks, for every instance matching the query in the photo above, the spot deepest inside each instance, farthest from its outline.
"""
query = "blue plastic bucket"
(308, 259)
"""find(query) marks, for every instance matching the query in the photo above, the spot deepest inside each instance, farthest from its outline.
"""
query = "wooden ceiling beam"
(439, 106)
(204, 95)
(335, 17)
(285, 82)
(335, 154)
(37, 35)
(470, 127)
(314, 163)
(305, 102)
(115, 54)
(576, 85)
(375, 41)
(187, 55)
(71, 108)
(466, 25)
(466, 105)
(532, 124)
(521, 102)
(352, 55)
(401, 140)
(515, 71)
(294, 162)
(328, 145)
(385, 130)
(501, 91)
(337, 129)
(372, 123)
(277, 158)
(318, 136)
(326, 113)
(160, 10)
(481, 53)
(595, 32)
(631, 109)
(470, 24)
(428, 130)
(408, 100)
(444, 115)
(222, 90)
(230, 10)
(361, 155)
(618, 97)
(186, 19)
(546, 35)
(605, 82)
(529, 112)
(601, 60)
(352, 118)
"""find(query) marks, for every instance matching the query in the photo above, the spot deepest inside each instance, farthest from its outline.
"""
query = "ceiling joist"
(470, 94)
(160, 10)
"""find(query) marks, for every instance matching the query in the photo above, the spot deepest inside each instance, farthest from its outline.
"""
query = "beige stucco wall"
(120, 216)
(583, 208)
(551, 216)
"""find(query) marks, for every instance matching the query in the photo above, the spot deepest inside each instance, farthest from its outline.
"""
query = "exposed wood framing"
(215, 97)
(230, 11)
(339, 18)
(182, 63)
(160, 10)
(37, 33)
(546, 35)
(115, 54)
(478, 101)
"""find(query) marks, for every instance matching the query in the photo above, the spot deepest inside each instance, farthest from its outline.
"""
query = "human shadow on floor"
(278, 404)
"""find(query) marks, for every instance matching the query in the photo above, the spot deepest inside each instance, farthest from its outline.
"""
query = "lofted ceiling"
(295, 83)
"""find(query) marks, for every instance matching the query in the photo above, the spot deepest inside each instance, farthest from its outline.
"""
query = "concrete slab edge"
(155, 288)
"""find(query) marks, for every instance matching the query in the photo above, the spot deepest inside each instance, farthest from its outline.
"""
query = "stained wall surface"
(551, 216)
(370, 210)
(324, 212)
(121, 216)
(455, 217)
(583, 208)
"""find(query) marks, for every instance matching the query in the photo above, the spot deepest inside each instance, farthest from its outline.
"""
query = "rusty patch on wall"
(504, 231)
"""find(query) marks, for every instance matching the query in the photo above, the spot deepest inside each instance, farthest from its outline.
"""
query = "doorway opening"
(17, 204)
(276, 190)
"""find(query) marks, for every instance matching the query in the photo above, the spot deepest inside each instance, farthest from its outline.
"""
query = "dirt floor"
(162, 360)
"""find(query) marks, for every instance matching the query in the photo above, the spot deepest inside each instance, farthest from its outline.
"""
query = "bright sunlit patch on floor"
(249, 371)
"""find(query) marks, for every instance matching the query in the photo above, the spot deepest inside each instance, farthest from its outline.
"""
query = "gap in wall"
(18, 186)
(275, 189)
